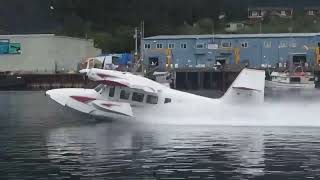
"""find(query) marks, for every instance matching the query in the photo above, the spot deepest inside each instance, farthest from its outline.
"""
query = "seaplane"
(126, 96)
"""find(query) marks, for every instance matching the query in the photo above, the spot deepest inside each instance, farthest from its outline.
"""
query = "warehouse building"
(44, 53)
(254, 50)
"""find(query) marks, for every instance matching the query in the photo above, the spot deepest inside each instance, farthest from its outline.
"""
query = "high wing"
(123, 79)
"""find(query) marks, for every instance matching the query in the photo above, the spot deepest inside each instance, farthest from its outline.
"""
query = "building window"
(310, 12)
(244, 44)
(152, 99)
(124, 94)
(183, 46)
(254, 13)
(171, 45)
(147, 46)
(293, 44)
(200, 46)
(159, 46)
(283, 44)
(267, 44)
(138, 97)
(226, 44)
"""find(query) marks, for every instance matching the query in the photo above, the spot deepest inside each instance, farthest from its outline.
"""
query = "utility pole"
(141, 46)
(260, 27)
(136, 41)
(260, 24)
(213, 32)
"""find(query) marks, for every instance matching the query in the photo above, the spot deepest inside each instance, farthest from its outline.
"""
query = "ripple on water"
(55, 144)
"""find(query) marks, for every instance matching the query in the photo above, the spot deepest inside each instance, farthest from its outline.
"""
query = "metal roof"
(270, 8)
(8, 36)
(230, 36)
(26, 35)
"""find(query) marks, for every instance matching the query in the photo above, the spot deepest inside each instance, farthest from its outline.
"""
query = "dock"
(43, 81)
(214, 78)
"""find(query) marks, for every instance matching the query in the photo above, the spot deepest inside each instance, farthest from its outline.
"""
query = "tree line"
(111, 23)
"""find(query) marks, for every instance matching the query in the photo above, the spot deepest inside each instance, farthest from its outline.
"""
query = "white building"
(44, 53)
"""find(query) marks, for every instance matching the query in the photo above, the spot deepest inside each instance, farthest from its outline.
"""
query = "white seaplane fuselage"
(124, 96)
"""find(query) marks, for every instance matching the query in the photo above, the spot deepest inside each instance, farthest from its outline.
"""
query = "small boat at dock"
(296, 80)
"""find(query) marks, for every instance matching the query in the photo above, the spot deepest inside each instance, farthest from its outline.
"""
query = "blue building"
(255, 50)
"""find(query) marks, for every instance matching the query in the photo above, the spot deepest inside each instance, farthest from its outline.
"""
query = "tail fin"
(248, 87)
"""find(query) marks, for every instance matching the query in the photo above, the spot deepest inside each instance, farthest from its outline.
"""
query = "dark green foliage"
(111, 22)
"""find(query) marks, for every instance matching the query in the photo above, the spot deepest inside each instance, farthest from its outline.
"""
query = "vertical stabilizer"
(248, 87)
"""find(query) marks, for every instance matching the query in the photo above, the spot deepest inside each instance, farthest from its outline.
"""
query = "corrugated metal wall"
(45, 53)
(259, 50)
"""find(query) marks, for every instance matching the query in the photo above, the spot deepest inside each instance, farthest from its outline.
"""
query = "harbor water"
(42, 140)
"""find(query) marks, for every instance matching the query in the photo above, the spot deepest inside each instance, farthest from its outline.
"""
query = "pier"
(218, 78)
(204, 78)
(43, 81)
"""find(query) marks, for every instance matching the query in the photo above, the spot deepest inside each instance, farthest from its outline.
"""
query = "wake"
(299, 113)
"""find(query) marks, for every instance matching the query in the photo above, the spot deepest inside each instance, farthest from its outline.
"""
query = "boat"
(296, 80)
(164, 78)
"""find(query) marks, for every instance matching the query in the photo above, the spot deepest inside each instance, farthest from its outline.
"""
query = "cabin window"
(137, 97)
(152, 99)
(124, 94)
(167, 100)
(112, 91)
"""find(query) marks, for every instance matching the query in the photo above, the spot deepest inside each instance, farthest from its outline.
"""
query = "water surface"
(41, 140)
